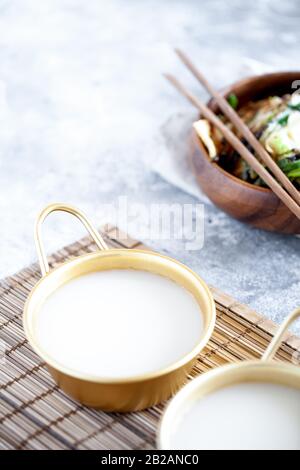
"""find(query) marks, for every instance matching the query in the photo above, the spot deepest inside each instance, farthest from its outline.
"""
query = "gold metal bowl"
(124, 394)
(259, 371)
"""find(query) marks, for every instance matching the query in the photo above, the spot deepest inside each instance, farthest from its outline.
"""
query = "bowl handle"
(71, 210)
(274, 345)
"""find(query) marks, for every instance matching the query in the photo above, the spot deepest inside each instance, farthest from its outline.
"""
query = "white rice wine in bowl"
(119, 323)
(118, 329)
(254, 416)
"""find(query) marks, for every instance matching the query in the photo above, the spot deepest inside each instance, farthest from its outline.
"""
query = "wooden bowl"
(246, 202)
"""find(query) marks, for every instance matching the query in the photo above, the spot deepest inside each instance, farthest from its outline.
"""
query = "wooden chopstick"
(241, 126)
(238, 146)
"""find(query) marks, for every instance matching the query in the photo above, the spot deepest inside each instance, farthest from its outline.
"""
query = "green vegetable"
(283, 120)
(295, 107)
(287, 165)
(233, 100)
(294, 173)
(279, 143)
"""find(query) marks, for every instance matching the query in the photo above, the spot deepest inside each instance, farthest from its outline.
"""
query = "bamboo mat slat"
(36, 414)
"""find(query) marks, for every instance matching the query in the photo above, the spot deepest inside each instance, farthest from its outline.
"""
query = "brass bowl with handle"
(114, 394)
(264, 371)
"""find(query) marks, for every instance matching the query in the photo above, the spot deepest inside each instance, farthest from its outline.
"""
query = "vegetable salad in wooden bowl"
(270, 107)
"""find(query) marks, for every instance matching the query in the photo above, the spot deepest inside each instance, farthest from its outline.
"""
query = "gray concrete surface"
(85, 116)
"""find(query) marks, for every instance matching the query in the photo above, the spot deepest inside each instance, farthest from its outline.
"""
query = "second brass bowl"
(255, 371)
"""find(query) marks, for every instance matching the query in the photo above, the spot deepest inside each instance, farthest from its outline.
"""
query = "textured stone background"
(85, 116)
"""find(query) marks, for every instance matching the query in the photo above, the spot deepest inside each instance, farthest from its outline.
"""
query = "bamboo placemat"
(35, 414)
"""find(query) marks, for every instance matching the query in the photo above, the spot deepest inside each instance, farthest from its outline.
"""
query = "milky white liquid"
(119, 323)
(244, 416)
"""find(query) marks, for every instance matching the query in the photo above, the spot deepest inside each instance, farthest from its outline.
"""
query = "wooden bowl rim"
(225, 91)
(228, 174)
